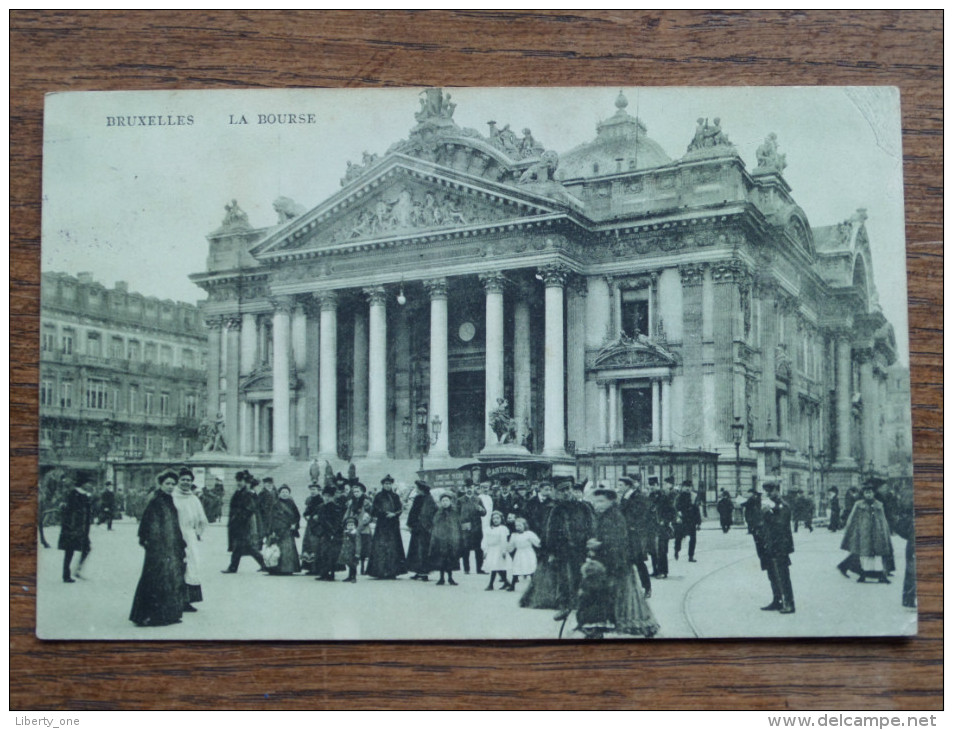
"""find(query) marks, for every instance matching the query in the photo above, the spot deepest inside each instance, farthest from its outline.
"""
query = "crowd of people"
(580, 548)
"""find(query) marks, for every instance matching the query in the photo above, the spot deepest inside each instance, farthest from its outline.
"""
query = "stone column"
(232, 355)
(522, 375)
(359, 417)
(656, 413)
(613, 398)
(247, 443)
(843, 400)
(262, 338)
(328, 389)
(214, 325)
(299, 348)
(249, 343)
(554, 431)
(603, 434)
(576, 361)
(439, 364)
(666, 411)
(493, 283)
(255, 428)
(310, 375)
(281, 397)
(377, 373)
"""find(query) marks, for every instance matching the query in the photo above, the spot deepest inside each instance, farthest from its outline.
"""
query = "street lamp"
(737, 432)
(419, 427)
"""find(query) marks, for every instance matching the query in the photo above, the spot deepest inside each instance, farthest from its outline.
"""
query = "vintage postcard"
(514, 363)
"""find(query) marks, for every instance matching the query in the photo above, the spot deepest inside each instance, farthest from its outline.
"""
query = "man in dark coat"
(536, 510)
(664, 500)
(472, 510)
(107, 505)
(725, 509)
(387, 549)
(244, 529)
(420, 523)
(329, 534)
(74, 533)
(505, 502)
(637, 510)
(569, 528)
(802, 508)
(891, 508)
(777, 546)
(688, 520)
(265, 498)
(867, 537)
(161, 594)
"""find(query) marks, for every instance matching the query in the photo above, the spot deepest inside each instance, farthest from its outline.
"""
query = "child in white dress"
(522, 546)
(495, 546)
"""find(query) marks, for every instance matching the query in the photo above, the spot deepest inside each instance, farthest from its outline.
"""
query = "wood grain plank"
(61, 50)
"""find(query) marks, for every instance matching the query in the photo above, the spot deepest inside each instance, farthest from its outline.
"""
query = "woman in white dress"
(192, 522)
(523, 544)
(495, 545)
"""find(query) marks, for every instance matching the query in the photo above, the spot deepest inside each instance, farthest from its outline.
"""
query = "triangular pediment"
(406, 198)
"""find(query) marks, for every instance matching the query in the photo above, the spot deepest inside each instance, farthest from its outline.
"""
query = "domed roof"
(621, 145)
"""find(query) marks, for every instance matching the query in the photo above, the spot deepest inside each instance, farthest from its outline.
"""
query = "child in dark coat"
(351, 549)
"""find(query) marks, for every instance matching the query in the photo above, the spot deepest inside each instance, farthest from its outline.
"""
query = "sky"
(135, 203)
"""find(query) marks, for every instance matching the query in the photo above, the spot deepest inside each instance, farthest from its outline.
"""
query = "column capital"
(554, 275)
(692, 274)
(215, 322)
(732, 270)
(327, 300)
(232, 322)
(375, 294)
(578, 285)
(283, 305)
(311, 307)
(436, 288)
(493, 281)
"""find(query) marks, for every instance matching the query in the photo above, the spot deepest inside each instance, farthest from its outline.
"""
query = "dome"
(621, 145)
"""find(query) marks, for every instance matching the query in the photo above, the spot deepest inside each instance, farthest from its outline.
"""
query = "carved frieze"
(692, 274)
(631, 352)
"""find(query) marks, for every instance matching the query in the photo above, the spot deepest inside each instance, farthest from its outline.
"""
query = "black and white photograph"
(474, 363)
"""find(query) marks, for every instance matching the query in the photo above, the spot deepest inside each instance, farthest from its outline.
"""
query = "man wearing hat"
(107, 506)
(867, 536)
(244, 530)
(726, 508)
(664, 500)
(265, 498)
(387, 550)
(472, 511)
(688, 520)
(420, 524)
(777, 544)
(329, 534)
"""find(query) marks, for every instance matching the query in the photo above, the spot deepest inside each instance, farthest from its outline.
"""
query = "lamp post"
(737, 432)
(418, 428)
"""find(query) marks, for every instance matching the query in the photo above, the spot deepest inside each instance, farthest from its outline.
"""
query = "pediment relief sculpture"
(632, 352)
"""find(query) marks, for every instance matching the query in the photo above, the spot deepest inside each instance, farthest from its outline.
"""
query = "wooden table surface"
(68, 51)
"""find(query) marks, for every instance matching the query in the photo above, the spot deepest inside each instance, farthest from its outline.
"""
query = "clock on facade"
(467, 331)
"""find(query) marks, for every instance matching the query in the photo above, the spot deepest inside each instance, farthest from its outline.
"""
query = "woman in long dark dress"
(283, 529)
(309, 543)
(387, 548)
(160, 595)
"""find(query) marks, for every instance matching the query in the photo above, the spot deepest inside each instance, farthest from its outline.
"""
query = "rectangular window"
(151, 352)
(188, 358)
(150, 444)
(48, 339)
(94, 345)
(166, 355)
(97, 394)
(635, 313)
(150, 402)
(135, 350)
(66, 395)
(166, 444)
(163, 404)
(64, 438)
(133, 398)
(91, 439)
(116, 349)
(132, 441)
(191, 405)
(46, 392)
(67, 342)
(186, 446)
(636, 416)
(46, 437)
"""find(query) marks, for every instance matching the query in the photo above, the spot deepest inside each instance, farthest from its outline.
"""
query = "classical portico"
(470, 294)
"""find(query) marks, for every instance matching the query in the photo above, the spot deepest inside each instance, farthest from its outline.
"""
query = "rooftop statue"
(287, 209)
(434, 105)
(768, 156)
(235, 217)
(708, 135)
(542, 171)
